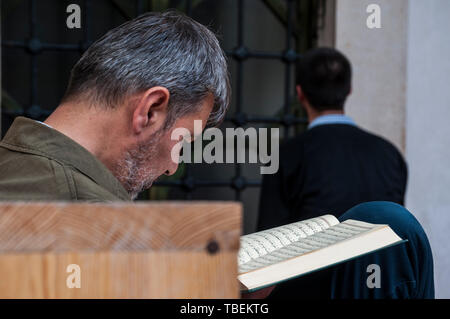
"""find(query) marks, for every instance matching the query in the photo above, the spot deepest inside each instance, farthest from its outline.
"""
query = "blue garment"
(331, 119)
(406, 269)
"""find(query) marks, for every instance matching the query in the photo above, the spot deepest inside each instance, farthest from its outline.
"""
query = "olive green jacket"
(40, 163)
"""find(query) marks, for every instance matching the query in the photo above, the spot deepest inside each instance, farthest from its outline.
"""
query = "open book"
(270, 256)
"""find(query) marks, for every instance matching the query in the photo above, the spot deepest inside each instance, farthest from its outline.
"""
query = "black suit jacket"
(329, 169)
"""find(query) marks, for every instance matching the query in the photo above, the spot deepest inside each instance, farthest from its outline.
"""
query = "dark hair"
(155, 49)
(324, 75)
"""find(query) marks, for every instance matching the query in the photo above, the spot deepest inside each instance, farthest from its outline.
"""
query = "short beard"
(133, 170)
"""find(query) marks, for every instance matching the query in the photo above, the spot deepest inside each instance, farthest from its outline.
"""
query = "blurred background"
(400, 84)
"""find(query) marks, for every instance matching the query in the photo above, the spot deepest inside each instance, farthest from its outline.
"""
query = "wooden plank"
(120, 275)
(156, 250)
(118, 226)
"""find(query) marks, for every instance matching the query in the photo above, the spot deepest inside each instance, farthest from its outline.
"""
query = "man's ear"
(299, 91)
(302, 99)
(150, 111)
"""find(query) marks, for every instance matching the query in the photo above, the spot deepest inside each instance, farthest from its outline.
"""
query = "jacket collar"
(29, 136)
(332, 119)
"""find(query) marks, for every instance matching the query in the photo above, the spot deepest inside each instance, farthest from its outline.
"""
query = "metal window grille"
(241, 54)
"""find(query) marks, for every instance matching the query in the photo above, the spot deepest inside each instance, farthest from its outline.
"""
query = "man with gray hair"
(110, 137)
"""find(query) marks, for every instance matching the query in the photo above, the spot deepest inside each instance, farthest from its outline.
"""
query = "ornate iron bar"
(240, 54)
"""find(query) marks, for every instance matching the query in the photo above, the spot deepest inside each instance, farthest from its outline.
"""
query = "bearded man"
(110, 137)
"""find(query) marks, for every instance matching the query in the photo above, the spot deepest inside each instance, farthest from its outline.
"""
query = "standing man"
(334, 165)
(110, 137)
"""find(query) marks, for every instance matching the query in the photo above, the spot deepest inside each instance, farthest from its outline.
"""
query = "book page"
(306, 244)
(264, 242)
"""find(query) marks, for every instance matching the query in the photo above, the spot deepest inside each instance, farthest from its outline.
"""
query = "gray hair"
(155, 49)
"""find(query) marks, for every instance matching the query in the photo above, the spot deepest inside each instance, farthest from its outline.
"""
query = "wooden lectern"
(120, 250)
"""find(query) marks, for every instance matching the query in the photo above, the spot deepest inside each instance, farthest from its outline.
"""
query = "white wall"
(401, 90)
(377, 101)
(428, 128)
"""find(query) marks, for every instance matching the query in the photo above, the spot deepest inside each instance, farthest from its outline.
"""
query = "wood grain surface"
(124, 250)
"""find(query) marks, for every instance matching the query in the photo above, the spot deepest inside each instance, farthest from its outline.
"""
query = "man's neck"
(89, 127)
